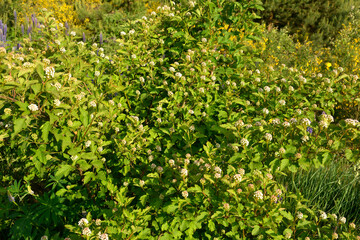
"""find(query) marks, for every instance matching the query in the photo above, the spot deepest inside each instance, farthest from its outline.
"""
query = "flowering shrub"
(177, 134)
(63, 10)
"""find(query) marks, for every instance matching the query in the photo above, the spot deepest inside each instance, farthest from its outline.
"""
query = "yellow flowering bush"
(64, 11)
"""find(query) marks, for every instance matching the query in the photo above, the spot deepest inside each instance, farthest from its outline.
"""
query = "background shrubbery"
(318, 21)
(191, 121)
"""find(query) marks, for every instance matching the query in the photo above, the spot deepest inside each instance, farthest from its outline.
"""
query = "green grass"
(334, 188)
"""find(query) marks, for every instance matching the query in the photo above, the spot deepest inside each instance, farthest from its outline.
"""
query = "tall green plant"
(316, 20)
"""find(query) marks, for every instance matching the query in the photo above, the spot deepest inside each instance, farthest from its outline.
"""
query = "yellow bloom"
(328, 65)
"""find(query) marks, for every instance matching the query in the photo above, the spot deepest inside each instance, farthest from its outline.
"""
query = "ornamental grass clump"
(146, 142)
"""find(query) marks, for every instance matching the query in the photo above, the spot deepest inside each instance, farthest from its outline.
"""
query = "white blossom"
(57, 102)
(83, 222)
(268, 137)
(33, 107)
(259, 195)
(86, 231)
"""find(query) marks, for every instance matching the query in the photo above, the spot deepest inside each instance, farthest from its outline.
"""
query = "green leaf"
(256, 230)
(293, 168)
(64, 170)
(40, 70)
(284, 164)
(348, 154)
(144, 234)
(287, 215)
(84, 117)
(36, 88)
(89, 176)
(61, 192)
(211, 226)
(19, 124)
(45, 131)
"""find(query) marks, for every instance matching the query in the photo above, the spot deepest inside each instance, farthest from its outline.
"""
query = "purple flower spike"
(5, 29)
(11, 198)
(33, 19)
(1, 35)
(101, 39)
(15, 16)
(29, 30)
(67, 25)
(22, 29)
(35, 22)
(84, 39)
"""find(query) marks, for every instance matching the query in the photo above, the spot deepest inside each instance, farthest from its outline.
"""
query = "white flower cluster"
(218, 172)
(103, 236)
(80, 96)
(57, 102)
(86, 231)
(237, 178)
(268, 137)
(258, 195)
(342, 220)
(49, 72)
(326, 120)
(352, 122)
(28, 65)
(323, 215)
(83, 222)
(306, 121)
(33, 107)
(244, 142)
(184, 172)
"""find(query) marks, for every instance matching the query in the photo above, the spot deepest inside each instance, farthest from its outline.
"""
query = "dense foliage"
(180, 128)
(318, 20)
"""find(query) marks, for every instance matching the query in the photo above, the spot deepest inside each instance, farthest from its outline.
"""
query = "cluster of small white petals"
(305, 138)
(49, 72)
(244, 142)
(103, 236)
(275, 121)
(302, 79)
(86, 231)
(282, 102)
(306, 121)
(268, 136)
(33, 107)
(286, 124)
(92, 103)
(184, 172)
(258, 195)
(323, 216)
(83, 222)
(237, 178)
(239, 123)
(218, 172)
(352, 122)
